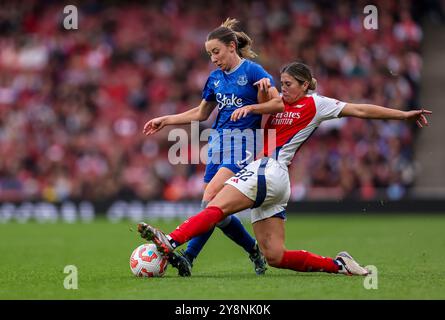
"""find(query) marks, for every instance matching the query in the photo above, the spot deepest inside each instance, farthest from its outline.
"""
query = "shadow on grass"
(250, 276)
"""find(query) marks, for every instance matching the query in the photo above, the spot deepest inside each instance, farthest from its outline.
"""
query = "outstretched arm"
(199, 113)
(269, 101)
(370, 111)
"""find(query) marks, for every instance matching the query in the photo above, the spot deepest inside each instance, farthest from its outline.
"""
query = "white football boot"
(349, 266)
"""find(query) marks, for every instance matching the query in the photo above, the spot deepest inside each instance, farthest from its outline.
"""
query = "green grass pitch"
(407, 250)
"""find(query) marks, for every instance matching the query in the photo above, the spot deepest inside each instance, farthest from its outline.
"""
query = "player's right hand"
(241, 113)
(154, 125)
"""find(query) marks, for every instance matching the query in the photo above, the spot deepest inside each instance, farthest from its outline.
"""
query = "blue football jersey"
(232, 90)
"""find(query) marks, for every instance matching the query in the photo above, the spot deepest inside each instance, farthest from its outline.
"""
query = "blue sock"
(195, 245)
(231, 226)
(235, 230)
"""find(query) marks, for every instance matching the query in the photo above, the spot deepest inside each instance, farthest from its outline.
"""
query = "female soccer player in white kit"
(264, 184)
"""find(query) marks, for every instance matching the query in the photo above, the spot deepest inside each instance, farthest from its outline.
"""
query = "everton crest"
(242, 80)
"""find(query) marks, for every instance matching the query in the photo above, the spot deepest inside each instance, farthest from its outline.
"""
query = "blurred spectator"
(73, 103)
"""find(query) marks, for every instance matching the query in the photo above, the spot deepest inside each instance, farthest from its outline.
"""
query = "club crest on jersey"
(242, 80)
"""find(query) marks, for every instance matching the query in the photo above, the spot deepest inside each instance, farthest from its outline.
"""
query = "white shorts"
(265, 182)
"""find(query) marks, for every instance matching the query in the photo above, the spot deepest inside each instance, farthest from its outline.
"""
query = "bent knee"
(210, 193)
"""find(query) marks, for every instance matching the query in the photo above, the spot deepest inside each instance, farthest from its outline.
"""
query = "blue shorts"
(234, 159)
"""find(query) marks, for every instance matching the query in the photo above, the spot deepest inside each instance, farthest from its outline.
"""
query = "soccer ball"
(147, 261)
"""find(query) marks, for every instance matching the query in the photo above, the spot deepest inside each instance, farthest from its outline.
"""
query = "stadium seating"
(73, 102)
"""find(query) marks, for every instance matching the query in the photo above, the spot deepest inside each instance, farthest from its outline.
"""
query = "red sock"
(198, 224)
(304, 261)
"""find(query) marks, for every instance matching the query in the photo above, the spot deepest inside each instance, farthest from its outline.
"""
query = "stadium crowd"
(73, 102)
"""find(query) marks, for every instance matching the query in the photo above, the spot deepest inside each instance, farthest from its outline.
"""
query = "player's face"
(291, 89)
(220, 53)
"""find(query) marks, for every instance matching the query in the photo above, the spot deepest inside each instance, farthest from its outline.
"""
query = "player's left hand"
(263, 84)
(418, 116)
(241, 113)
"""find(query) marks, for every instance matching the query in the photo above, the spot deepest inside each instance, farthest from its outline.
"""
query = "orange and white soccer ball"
(147, 261)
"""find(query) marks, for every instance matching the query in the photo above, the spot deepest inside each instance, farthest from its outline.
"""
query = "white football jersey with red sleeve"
(296, 124)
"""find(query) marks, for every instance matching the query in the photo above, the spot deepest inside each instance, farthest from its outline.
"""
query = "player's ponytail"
(245, 46)
(301, 73)
(227, 33)
(244, 42)
(230, 23)
(313, 84)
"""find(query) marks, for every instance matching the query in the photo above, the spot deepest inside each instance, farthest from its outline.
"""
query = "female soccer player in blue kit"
(230, 87)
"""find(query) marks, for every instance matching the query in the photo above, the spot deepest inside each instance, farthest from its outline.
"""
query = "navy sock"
(236, 231)
(195, 245)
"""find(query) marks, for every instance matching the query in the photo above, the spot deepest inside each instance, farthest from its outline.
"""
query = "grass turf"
(407, 250)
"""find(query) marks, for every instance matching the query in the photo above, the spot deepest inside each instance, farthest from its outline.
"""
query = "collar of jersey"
(236, 68)
(299, 100)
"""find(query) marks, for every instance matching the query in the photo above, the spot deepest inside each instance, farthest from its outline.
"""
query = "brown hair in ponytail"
(226, 34)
